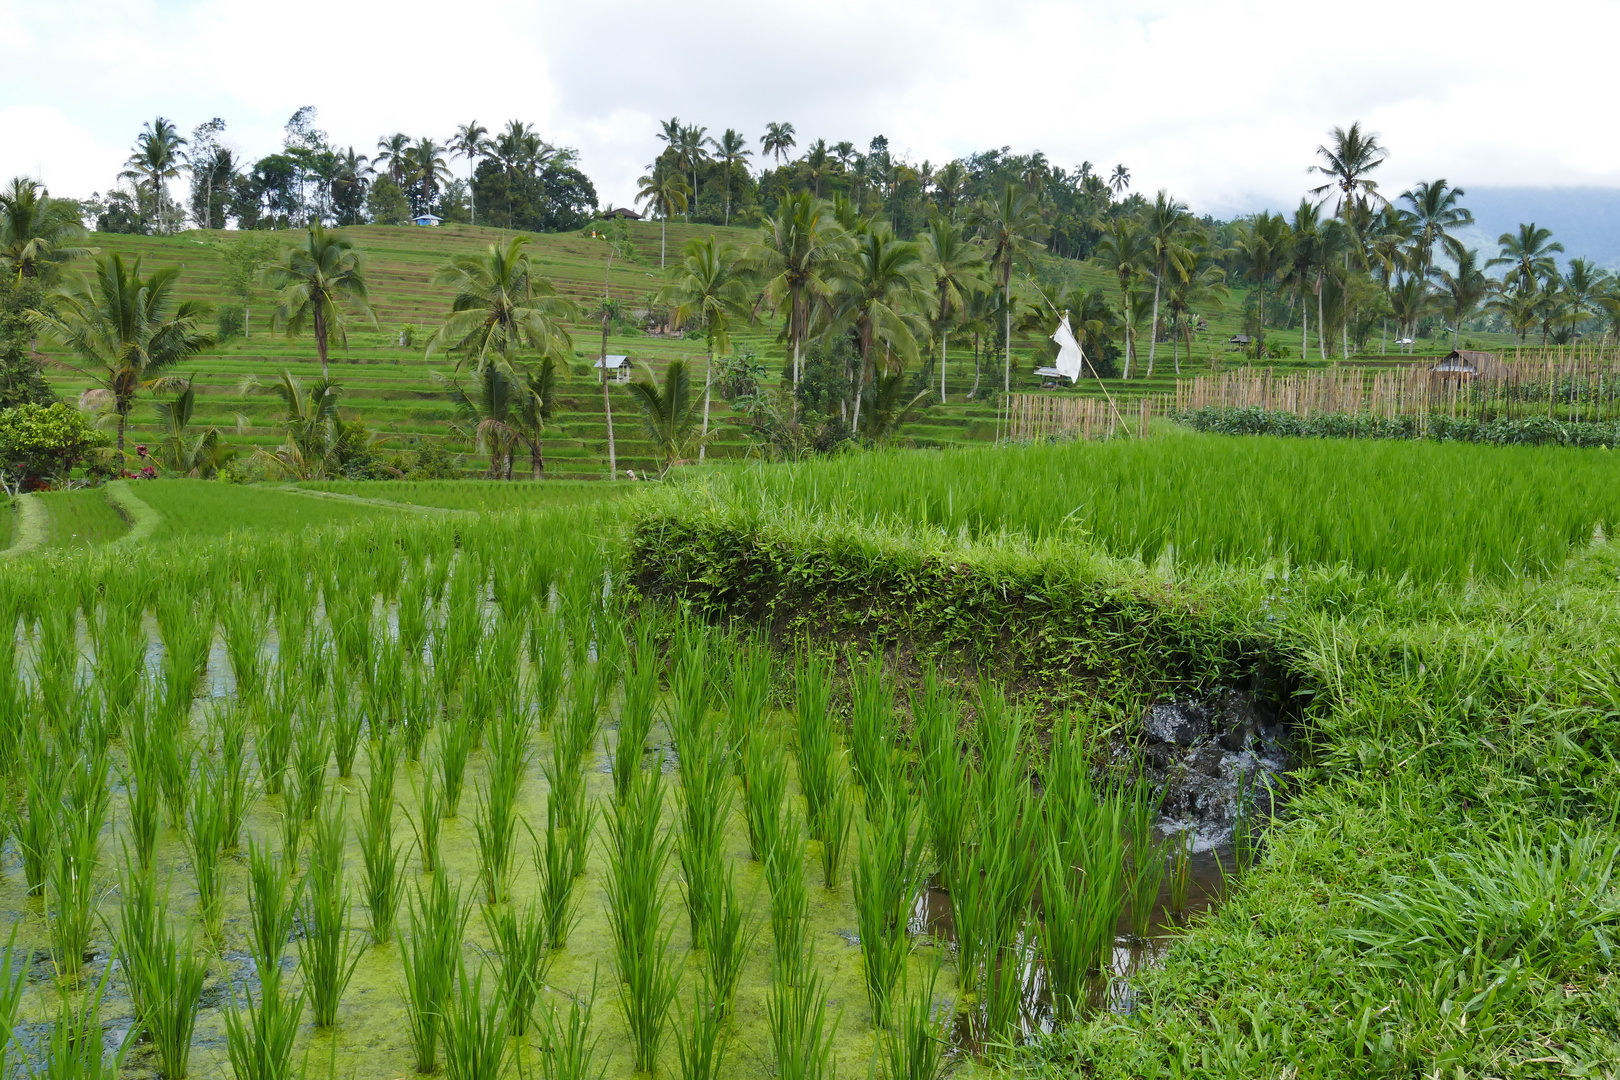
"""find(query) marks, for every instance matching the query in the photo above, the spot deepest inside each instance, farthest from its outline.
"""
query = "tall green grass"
(1436, 512)
(638, 854)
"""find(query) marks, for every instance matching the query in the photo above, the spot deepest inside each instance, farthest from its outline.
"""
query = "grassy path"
(31, 527)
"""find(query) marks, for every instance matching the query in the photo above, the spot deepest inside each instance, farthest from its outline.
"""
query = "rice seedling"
(520, 940)
(1181, 850)
(819, 751)
(547, 652)
(748, 694)
(426, 824)
(1147, 855)
(790, 902)
(166, 976)
(13, 979)
(207, 818)
(76, 1050)
(185, 653)
(1243, 839)
(888, 873)
(273, 737)
(272, 905)
(638, 854)
(872, 749)
(705, 807)
(243, 623)
(636, 713)
(75, 857)
(36, 831)
(416, 711)
(835, 821)
(431, 954)
(176, 758)
(380, 857)
(796, 1010)
(412, 613)
(764, 783)
(495, 833)
(700, 1043)
(327, 951)
(346, 726)
(259, 1038)
(558, 864)
(568, 1048)
(728, 934)
(120, 656)
(455, 746)
(475, 1044)
(312, 747)
(914, 1047)
(945, 772)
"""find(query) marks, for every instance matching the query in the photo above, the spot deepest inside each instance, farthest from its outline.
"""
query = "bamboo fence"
(1049, 416)
(1563, 384)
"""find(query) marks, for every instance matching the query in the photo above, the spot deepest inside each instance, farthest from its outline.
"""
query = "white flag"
(1069, 358)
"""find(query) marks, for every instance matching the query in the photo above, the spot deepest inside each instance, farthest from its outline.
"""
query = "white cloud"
(1223, 103)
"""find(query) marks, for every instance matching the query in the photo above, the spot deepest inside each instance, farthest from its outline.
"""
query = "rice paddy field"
(1056, 760)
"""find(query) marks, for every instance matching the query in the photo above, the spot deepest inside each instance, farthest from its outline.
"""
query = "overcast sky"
(1223, 103)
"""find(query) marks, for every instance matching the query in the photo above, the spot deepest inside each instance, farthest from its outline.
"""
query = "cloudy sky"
(1223, 103)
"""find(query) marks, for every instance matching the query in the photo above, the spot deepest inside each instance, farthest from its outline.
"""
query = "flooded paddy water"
(546, 689)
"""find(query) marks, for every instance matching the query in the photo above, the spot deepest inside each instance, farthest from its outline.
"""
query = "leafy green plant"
(819, 751)
(764, 780)
(888, 873)
(520, 940)
(638, 854)
(327, 951)
(796, 1009)
(381, 859)
(475, 1046)
(568, 1048)
(700, 1044)
(431, 952)
(13, 980)
(76, 1049)
(915, 1046)
(428, 820)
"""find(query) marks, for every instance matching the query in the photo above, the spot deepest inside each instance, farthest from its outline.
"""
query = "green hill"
(392, 387)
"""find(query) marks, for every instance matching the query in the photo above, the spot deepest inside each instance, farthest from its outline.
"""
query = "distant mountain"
(1586, 220)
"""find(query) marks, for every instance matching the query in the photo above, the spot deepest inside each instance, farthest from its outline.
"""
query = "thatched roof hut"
(1468, 363)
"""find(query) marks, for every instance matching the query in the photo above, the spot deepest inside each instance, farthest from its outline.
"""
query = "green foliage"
(22, 379)
(386, 203)
(44, 442)
(1501, 431)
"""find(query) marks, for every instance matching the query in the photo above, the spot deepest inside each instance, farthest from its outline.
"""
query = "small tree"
(669, 414)
(43, 442)
(245, 258)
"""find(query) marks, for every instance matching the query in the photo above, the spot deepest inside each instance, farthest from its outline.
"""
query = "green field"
(81, 519)
(474, 494)
(392, 388)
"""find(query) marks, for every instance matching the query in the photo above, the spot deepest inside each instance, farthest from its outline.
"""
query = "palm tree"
(535, 406)
(818, 163)
(311, 419)
(888, 405)
(1263, 244)
(608, 310)
(1409, 300)
(472, 142)
(485, 419)
(428, 168)
(949, 184)
(1346, 163)
(1528, 255)
(956, 266)
(317, 280)
(882, 282)
(1201, 286)
(1164, 230)
(1463, 289)
(394, 151)
(709, 287)
(1392, 239)
(1519, 302)
(1010, 226)
(692, 150)
(1304, 270)
(1122, 250)
(1583, 284)
(157, 159)
(501, 305)
(130, 330)
(1119, 180)
(1437, 213)
(798, 248)
(731, 148)
(669, 415)
(665, 192)
(1092, 319)
(778, 140)
(36, 231)
(200, 455)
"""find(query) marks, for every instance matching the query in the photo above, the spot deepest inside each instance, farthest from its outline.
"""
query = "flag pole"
(1089, 364)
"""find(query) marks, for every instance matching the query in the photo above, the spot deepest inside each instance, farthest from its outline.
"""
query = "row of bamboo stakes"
(1571, 383)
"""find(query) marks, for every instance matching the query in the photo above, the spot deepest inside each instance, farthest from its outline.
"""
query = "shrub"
(42, 442)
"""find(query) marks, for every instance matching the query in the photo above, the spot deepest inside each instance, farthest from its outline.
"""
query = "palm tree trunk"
(537, 459)
(1006, 371)
(1153, 333)
(1304, 329)
(663, 241)
(708, 382)
(1321, 319)
(1344, 315)
(607, 406)
(974, 393)
(320, 339)
(942, 343)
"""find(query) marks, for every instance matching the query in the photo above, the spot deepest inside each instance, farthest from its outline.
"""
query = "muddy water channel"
(560, 722)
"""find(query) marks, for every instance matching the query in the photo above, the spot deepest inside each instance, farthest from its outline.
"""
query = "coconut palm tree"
(888, 404)
(1123, 251)
(691, 151)
(1391, 239)
(1347, 162)
(956, 266)
(818, 162)
(1303, 273)
(1010, 226)
(535, 406)
(609, 310)
(797, 249)
(310, 416)
(882, 285)
(1462, 290)
(1263, 243)
(1528, 254)
(317, 280)
(37, 231)
(1519, 302)
(1166, 225)
(1093, 320)
(949, 183)
(665, 192)
(1119, 180)
(472, 142)
(157, 158)
(731, 149)
(1409, 300)
(1200, 287)
(428, 170)
(669, 415)
(484, 416)
(1437, 214)
(1583, 284)
(128, 330)
(778, 140)
(394, 154)
(710, 287)
(501, 305)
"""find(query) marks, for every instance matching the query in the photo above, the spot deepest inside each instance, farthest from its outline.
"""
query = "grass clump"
(638, 854)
